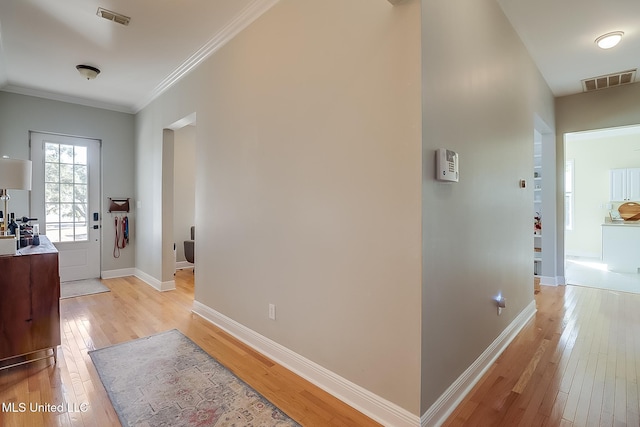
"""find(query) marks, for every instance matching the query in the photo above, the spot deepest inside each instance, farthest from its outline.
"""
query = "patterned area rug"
(167, 380)
(78, 288)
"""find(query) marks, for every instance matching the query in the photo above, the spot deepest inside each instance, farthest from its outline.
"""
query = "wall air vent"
(610, 80)
(113, 16)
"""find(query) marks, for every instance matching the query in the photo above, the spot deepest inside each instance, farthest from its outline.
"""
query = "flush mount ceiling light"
(87, 71)
(609, 40)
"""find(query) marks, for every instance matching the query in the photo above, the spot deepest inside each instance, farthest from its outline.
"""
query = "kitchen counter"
(621, 246)
(621, 224)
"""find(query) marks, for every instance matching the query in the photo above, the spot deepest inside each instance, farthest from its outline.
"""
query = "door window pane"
(66, 187)
(66, 192)
(80, 155)
(66, 154)
(51, 172)
(66, 232)
(52, 153)
(80, 174)
(53, 213)
(80, 194)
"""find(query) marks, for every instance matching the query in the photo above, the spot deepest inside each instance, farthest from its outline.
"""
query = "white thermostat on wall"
(447, 165)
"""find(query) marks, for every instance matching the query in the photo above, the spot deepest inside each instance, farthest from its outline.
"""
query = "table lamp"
(15, 174)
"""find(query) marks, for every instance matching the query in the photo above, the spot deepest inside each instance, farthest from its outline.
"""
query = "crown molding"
(249, 14)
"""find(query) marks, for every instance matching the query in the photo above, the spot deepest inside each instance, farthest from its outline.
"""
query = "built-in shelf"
(537, 199)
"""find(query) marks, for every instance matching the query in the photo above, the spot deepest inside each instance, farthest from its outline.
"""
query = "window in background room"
(568, 194)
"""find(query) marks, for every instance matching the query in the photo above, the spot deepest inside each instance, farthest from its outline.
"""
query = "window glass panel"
(80, 175)
(66, 154)
(80, 193)
(52, 192)
(66, 173)
(51, 172)
(80, 155)
(568, 194)
(53, 213)
(51, 152)
(568, 211)
(53, 232)
(66, 232)
(66, 193)
(81, 231)
(66, 212)
(79, 212)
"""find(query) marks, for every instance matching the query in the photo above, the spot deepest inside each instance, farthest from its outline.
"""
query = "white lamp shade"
(15, 174)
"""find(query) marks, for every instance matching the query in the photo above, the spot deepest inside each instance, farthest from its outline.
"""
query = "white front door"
(65, 198)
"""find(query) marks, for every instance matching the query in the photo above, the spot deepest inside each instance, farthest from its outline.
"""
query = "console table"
(30, 303)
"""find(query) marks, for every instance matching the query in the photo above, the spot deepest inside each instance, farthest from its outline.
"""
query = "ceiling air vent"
(113, 16)
(610, 80)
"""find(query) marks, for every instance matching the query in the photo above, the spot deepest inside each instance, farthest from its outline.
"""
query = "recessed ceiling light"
(609, 40)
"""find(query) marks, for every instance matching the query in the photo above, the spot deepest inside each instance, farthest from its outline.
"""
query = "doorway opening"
(178, 196)
(602, 173)
(544, 206)
(184, 195)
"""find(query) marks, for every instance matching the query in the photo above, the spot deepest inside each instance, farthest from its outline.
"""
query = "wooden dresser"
(29, 303)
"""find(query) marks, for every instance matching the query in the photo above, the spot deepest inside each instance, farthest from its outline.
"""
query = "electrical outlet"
(502, 303)
(272, 311)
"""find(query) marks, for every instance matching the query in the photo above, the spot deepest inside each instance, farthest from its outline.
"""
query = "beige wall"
(594, 154)
(590, 111)
(315, 166)
(481, 93)
(308, 185)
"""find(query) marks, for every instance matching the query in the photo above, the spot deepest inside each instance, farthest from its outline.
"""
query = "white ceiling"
(560, 36)
(41, 42)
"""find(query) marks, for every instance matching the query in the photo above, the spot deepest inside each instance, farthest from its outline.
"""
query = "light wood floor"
(131, 310)
(577, 363)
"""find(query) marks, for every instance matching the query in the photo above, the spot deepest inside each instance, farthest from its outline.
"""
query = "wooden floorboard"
(576, 363)
(132, 310)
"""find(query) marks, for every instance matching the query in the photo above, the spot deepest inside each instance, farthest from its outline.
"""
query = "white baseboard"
(370, 404)
(122, 272)
(155, 283)
(146, 278)
(451, 398)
